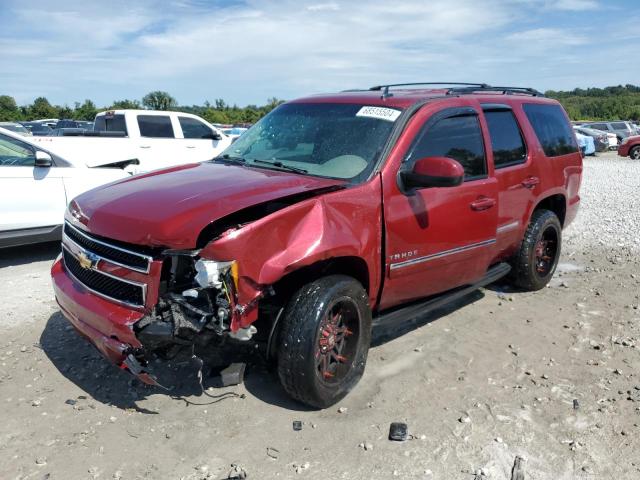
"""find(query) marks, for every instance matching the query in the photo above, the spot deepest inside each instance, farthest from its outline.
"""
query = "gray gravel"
(609, 214)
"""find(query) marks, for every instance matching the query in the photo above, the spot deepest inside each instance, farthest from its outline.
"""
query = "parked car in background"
(61, 132)
(586, 144)
(37, 129)
(621, 128)
(601, 139)
(234, 132)
(85, 124)
(35, 187)
(67, 123)
(630, 147)
(17, 128)
(157, 139)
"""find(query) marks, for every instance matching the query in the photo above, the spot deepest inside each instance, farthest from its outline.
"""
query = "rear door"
(157, 144)
(440, 238)
(516, 172)
(30, 196)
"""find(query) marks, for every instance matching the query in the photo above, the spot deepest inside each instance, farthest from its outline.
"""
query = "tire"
(324, 340)
(634, 153)
(537, 259)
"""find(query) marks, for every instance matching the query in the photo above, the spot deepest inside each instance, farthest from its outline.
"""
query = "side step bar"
(402, 314)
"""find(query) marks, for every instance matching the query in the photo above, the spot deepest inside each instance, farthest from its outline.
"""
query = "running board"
(403, 314)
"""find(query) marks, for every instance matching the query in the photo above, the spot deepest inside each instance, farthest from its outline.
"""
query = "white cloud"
(248, 52)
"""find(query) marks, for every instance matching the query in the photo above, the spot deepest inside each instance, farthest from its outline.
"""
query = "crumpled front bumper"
(108, 326)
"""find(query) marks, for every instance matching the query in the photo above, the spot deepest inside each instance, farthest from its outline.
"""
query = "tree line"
(609, 103)
(218, 112)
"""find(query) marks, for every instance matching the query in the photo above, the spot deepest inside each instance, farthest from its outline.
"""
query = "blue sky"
(248, 51)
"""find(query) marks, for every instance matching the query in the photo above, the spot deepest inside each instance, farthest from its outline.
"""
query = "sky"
(248, 51)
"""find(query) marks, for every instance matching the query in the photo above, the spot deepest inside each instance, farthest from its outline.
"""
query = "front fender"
(337, 224)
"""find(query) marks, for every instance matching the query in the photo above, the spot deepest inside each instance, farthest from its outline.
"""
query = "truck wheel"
(635, 153)
(536, 261)
(324, 340)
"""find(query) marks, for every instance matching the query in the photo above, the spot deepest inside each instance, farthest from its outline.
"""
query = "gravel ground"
(550, 377)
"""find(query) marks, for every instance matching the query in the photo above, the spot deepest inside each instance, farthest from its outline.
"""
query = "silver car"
(621, 128)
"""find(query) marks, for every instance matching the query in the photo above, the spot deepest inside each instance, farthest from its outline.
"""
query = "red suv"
(332, 214)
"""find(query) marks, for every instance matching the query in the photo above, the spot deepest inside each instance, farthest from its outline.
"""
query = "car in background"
(586, 144)
(235, 132)
(16, 127)
(621, 128)
(84, 124)
(601, 139)
(37, 129)
(36, 187)
(630, 147)
(68, 132)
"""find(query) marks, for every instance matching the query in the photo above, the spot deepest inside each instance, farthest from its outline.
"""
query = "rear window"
(110, 123)
(155, 126)
(552, 129)
(506, 139)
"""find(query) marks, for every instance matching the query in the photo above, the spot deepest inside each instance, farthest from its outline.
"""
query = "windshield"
(321, 139)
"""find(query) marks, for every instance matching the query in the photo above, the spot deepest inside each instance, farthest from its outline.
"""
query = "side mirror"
(43, 159)
(433, 172)
(213, 136)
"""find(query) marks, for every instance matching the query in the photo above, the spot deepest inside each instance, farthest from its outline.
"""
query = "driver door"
(439, 238)
(30, 196)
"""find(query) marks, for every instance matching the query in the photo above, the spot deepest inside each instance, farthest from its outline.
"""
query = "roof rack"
(462, 88)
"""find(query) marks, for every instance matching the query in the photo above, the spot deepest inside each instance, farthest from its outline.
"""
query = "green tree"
(125, 104)
(86, 111)
(159, 100)
(9, 110)
(41, 108)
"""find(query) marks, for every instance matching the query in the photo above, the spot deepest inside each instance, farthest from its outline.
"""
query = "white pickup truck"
(146, 139)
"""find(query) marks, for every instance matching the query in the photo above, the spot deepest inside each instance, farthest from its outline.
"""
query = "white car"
(156, 139)
(35, 188)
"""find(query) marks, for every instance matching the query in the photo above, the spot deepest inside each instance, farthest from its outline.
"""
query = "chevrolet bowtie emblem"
(87, 260)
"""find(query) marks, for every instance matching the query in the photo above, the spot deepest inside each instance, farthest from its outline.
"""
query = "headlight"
(210, 273)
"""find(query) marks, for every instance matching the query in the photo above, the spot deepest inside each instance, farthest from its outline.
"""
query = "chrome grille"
(114, 254)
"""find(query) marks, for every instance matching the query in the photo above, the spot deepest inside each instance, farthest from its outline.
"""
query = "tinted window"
(506, 139)
(14, 153)
(156, 126)
(599, 126)
(619, 126)
(459, 138)
(552, 129)
(110, 123)
(192, 128)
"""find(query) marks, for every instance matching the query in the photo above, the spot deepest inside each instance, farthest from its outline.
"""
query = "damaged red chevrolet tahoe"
(332, 214)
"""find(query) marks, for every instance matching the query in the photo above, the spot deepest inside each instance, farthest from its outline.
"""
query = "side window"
(155, 126)
(552, 129)
(459, 138)
(599, 126)
(14, 153)
(192, 128)
(506, 139)
(619, 126)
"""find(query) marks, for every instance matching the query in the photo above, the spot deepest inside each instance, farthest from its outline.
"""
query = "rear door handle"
(191, 146)
(530, 182)
(145, 146)
(482, 203)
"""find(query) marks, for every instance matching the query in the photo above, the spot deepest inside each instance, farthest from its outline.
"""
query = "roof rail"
(462, 88)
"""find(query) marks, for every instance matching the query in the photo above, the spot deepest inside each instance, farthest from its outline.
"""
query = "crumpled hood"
(170, 207)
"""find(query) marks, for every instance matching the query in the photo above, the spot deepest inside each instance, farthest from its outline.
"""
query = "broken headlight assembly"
(195, 302)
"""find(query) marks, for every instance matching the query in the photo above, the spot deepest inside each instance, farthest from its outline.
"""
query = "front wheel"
(324, 340)
(536, 261)
(634, 153)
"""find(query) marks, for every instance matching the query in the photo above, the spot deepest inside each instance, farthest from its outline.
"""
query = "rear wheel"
(536, 261)
(324, 340)
(634, 153)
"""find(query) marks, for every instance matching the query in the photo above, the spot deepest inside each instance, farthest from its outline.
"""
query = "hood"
(169, 208)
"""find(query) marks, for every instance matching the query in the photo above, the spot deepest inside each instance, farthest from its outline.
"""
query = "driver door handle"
(482, 203)
(530, 182)
(145, 146)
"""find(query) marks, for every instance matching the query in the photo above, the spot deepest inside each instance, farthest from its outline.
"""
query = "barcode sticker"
(381, 113)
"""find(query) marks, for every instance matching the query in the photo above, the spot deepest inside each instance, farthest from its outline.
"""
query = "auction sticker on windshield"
(380, 113)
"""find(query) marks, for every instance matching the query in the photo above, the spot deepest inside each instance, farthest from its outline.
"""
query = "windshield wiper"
(281, 165)
(229, 159)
